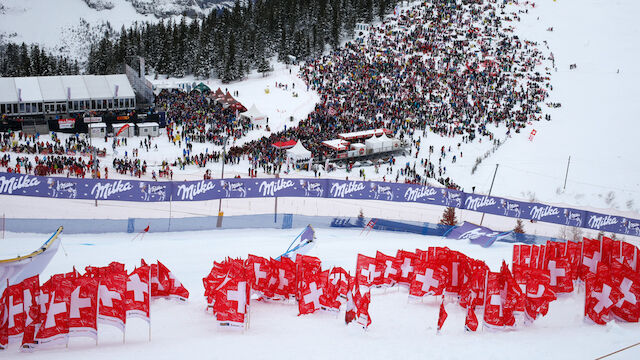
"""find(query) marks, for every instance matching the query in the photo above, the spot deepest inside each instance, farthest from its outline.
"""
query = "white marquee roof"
(63, 88)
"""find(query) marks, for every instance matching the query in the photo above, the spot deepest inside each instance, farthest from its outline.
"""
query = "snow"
(400, 329)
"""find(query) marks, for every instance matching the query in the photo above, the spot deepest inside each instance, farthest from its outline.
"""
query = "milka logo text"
(341, 190)
(473, 203)
(108, 189)
(269, 188)
(413, 194)
(16, 183)
(188, 192)
(538, 212)
(596, 222)
(476, 233)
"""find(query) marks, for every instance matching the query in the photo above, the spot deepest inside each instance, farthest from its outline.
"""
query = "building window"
(39, 107)
(104, 104)
(2, 109)
(21, 108)
(110, 104)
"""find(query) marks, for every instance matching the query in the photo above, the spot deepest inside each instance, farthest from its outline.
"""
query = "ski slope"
(400, 330)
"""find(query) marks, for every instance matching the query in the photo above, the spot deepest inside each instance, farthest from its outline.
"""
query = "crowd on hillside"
(448, 68)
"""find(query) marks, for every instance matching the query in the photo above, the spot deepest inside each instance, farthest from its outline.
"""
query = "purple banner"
(478, 235)
(154, 191)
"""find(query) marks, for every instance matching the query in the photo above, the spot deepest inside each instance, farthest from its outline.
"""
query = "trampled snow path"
(400, 330)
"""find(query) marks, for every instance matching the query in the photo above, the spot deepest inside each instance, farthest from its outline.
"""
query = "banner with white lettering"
(476, 234)
(154, 191)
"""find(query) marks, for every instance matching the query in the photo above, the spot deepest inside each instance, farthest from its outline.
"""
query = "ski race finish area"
(152, 191)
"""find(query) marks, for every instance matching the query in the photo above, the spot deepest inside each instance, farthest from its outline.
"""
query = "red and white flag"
(339, 280)
(560, 276)
(407, 261)
(285, 272)
(232, 302)
(367, 271)
(171, 284)
(329, 300)
(390, 268)
(442, 315)
(629, 255)
(471, 320)
(430, 279)
(4, 319)
(602, 295)
(16, 314)
(111, 297)
(591, 256)
(258, 272)
(628, 282)
(54, 329)
(502, 295)
(138, 293)
(83, 311)
(538, 293)
(310, 294)
(30, 290)
(357, 306)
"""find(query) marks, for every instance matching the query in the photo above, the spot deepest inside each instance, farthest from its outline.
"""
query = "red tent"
(284, 144)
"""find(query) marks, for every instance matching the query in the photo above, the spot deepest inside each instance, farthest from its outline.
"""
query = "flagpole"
(97, 311)
(149, 287)
(484, 310)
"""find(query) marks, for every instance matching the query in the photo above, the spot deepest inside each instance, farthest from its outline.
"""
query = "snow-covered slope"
(400, 329)
(68, 25)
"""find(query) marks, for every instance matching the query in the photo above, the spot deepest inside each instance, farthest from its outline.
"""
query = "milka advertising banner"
(153, 191)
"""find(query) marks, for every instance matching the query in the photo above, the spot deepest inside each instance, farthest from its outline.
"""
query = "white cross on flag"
(259, 269)
(112, 300)
(84, 308)
(16, 314)
(367, 272)
(560, 275)
(311, 292)
(591, 256)
(430, 279)
(407, 261)
(601, 295)
(232, 301)
(628, 281)
(55, 323)
(137, 296)
(391, 269)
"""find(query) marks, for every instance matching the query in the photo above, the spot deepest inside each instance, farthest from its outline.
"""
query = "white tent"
(253, 114)
(373, 143)
(298, 152)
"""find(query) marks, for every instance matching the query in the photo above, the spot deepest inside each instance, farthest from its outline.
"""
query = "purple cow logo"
(58, 188)
(380, 191)
(233, 187)
(311, 188)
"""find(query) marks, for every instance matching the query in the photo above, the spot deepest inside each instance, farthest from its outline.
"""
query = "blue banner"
(154, 191)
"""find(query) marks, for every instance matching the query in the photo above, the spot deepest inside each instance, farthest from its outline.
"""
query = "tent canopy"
(298, 152)
(253, 114)
(202, 87)
(284, 144)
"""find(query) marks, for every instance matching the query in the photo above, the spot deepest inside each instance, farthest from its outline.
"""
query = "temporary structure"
(298, 152)
(253, 114)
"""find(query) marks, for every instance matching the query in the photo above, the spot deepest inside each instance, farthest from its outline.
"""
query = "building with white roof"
(65, 95)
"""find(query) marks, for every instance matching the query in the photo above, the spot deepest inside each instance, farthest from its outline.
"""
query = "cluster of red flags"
(72, 304)
(230, 284)
(608, 269)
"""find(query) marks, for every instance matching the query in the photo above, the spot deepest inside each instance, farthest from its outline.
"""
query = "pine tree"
(449, 217)
(519, 229)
